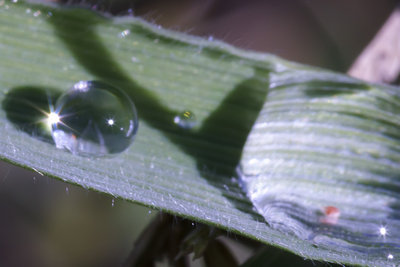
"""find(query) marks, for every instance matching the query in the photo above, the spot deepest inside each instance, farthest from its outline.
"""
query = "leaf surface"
(324, 136)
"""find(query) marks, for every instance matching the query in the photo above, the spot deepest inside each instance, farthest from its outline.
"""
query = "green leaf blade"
(192, 173)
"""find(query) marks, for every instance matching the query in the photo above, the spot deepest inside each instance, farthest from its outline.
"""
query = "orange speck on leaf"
(331, 211)
(331, 215)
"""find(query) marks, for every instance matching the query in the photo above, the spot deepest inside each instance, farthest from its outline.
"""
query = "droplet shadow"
(26, 108)
(217, 145)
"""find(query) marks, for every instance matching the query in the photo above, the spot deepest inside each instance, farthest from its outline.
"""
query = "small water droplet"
(124, 33)
(192, 223)
(185, 120)
(135, 59)
(210, 38)
(390, 257)
(149, 211)
(383, 231)
(112, 202)
(67, 190)
(87, 120)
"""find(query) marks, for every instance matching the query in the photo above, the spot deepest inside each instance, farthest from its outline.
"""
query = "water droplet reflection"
(53, 118)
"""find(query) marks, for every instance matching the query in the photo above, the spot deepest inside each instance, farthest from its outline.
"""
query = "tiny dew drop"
(94, 119)
(124, 33)
(37, 13)
(185, 120)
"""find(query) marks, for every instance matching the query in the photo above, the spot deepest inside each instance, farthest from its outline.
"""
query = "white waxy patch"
(320, 173)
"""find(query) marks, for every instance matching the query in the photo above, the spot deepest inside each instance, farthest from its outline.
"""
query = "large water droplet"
(94, 119)
(185, 120)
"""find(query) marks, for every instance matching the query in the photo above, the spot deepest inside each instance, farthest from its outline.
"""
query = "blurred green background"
(45, 222)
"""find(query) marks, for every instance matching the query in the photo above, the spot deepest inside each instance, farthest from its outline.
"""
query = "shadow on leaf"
(216, 145)
(26, 107)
